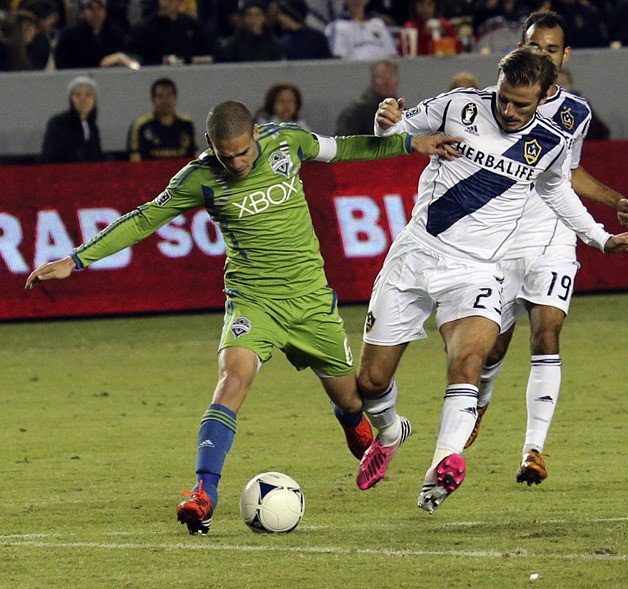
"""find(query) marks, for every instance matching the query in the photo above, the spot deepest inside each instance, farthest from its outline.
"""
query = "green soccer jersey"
(272, 249)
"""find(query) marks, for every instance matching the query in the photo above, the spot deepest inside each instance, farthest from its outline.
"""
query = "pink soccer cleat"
(450, 473)
(376, 459)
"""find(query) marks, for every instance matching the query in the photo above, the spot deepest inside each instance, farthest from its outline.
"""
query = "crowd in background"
(85, 34)
(61, 34)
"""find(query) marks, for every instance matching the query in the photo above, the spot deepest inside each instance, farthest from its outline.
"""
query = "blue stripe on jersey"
(107, 230)
(227, 233)
(547, 139)
(267, 130)
(465, 198)
(208, 196)
(334, 299)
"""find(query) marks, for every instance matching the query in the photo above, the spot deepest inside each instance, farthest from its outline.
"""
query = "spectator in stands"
(584, 24)
(597, 127)
(67, 10)
(220, 18)
(40, 48)
(94, 41)
(282, 104)
(359, 37)
(497, 25)
(17, 30)
(358, 116)
(463, 80)
(163, 133)
(436, 35)
(617, 28)
(254, 41)
(73, 135)
(323, 12)
(299, 41)
(168, 37)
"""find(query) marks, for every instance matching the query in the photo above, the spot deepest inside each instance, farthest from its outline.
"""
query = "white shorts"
(542, 280)
(412, 282)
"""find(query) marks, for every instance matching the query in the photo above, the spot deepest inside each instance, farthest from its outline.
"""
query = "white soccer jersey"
(469, 208)
(366, 40)
(540, 229)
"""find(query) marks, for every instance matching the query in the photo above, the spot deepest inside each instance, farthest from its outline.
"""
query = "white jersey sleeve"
(554, 188)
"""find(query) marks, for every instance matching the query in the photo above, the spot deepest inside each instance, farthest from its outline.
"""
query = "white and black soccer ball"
(272, 502)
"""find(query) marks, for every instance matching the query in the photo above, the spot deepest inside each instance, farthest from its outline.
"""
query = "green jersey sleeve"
(136, 225)
(355, 147)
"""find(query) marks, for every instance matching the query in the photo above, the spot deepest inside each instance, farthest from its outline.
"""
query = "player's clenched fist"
(389, 112)
(58, 269)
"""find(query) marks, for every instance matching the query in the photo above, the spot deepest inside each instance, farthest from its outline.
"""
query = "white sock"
(382, 413)
(457, 420)
(541, 399)
(487, 382)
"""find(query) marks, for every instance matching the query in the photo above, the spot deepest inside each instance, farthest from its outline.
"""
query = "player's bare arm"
(587, 186)
(59, 269)
(617, 244)
(440, 145)
(389, 112)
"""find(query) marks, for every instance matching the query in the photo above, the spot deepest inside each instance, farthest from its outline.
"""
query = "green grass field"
(98, 425)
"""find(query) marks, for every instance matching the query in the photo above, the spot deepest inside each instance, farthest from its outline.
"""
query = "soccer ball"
(272, 502)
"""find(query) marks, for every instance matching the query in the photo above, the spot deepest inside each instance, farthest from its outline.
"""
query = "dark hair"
(527, 66)
(229, 119)
(545, 19)
(162, 82)
(275, 90)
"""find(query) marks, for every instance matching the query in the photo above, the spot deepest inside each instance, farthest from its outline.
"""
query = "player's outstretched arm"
(441, 145)
(622, 211)
(617, 244)
(59, 269)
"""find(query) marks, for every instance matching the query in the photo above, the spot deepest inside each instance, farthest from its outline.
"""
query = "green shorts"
(308, 329)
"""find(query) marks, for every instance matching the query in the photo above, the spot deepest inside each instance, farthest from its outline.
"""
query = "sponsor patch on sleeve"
(163, 198)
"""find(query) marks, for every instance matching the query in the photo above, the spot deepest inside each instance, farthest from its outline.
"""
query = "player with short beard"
(446, 258)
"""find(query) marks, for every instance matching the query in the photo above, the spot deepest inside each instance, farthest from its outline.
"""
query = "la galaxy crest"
(280, 163)
(567, 119)
(532, 151)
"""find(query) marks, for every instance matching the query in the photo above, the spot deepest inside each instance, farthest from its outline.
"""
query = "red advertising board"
(357, 209)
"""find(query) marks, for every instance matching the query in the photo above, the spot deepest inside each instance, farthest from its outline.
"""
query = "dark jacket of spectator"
(64, 139)
(80, 48)
(306, 43)
(159, 36)
(357, 118)
(244, 46)
(298, 41)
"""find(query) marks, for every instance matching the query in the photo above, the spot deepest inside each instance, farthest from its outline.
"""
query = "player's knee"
(352, 405)
(372, 382)
(466, 369)
(546, 341)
